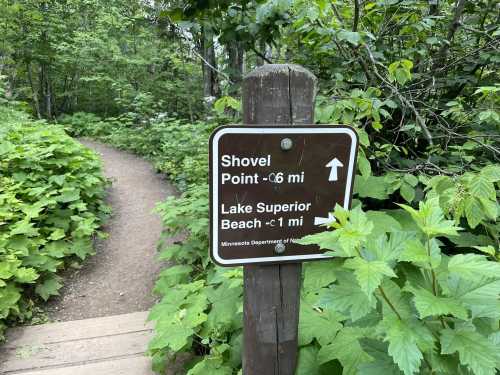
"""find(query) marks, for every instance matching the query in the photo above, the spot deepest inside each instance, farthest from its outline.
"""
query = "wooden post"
(274, 94)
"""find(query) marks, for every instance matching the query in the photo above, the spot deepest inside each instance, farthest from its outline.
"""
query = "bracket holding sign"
(271, 185)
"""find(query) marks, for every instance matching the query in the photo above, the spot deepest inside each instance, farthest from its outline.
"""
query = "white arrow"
(324, 220)
(334, 164)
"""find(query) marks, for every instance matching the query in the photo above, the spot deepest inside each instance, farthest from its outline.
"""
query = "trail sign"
(271, 185)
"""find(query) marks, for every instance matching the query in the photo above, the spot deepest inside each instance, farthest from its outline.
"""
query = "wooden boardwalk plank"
(111, 345)
(77, 329)
(123, 366)
(76, 352)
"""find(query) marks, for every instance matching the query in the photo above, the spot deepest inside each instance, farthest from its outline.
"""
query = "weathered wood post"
(274, 95)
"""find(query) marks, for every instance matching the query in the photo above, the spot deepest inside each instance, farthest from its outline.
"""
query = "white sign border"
(311, 129)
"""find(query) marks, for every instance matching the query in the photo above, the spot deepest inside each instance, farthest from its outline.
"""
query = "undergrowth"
(51, 206)
(412, 288)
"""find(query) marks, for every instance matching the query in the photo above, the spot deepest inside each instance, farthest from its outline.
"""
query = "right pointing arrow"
(324, 220)
(334, 164)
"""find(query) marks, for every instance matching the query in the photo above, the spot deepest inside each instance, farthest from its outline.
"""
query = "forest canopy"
(411, 74)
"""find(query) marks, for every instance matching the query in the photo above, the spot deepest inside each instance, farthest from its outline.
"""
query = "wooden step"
(121, 366)
(112, 345)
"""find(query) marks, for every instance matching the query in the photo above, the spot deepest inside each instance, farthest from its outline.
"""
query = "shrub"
(82, 124)
(394, 302)
(408, 291)
(51, 205)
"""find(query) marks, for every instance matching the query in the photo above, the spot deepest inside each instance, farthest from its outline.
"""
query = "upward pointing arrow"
(334, 164)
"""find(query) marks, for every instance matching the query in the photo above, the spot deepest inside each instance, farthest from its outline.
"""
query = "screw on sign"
(272, 182)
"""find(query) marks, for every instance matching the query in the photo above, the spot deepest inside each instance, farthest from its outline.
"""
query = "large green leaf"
(319, 274)
(226, 302)
(383, 222)
(9, 295)
(26, 275)
(430, 219)
(473, 266)
(172, 336)
(428, 304)
(480, 296)
(327, 240)
(369, 274)
(406, 341)
(346, 296)
(317, 324)
(371, 187)
(479, 354)
(354, 232)
(382, 364)
(394, 301)
(388, 249)
(347, 349)
(491, 172)
(172, 276)
(481, 187)
(49, 287)
(474, 211)
(418, 253)
(210, 366)
(308, 363)
(350, 36)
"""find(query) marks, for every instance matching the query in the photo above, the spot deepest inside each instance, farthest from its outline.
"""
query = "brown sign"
(272, 185)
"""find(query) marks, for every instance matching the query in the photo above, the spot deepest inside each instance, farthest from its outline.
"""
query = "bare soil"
(119, 279)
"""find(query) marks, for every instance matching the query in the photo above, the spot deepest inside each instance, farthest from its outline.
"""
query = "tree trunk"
(48, 96)
(34, 93)
(235, 61)
(41, 89)
(433, 7)
(209, 65)
(261, 49)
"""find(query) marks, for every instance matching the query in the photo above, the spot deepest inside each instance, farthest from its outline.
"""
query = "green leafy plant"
(226, 102)
(51, 206)
(473, 198)
(400, 71)
(396, 303)
(416, 259)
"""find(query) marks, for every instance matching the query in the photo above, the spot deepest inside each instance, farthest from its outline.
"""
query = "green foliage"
(82, 124)
(475, 351)
(400, 71)
(412, 284)
(175, 147)
(423, 323)
(51, 205)
(226, 102)
(380, 306)
(103, 57)
(471, 196)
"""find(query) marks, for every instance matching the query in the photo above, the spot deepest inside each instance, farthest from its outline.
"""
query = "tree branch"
(261, 55)
(453, 27)
(401, 97)
(337, 14)
(193, 50)
(484, 33)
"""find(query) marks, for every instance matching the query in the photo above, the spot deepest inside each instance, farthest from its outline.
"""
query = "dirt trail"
(120, 277)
